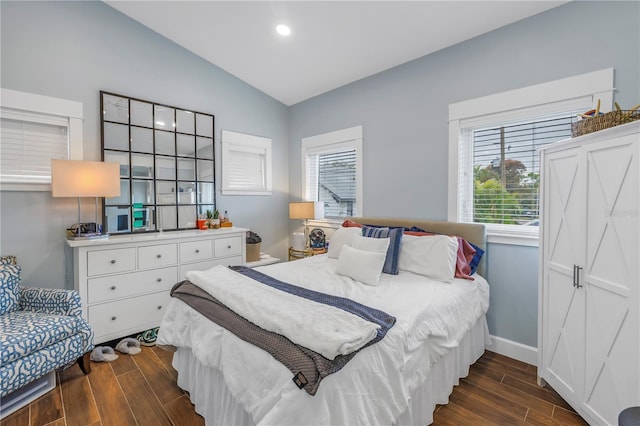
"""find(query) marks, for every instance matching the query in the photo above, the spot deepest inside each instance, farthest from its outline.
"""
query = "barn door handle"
(578, 269)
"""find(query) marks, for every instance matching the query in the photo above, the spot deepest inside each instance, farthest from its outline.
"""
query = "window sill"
(247, 192)
(326, 223)
(512, 238)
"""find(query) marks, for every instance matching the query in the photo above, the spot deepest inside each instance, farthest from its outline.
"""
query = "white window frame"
(581, 92)
(25, 106)
(233, 142)
(350, 138)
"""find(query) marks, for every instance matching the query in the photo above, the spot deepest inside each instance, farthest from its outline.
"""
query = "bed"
(440, 330)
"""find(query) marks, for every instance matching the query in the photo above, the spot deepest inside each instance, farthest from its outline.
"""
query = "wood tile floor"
(142, 390)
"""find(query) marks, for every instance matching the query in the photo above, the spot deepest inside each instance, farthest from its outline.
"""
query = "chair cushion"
(9, 291)
(23, 332)
(22, 371)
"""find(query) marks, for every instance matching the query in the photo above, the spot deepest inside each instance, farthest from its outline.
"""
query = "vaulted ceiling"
(332, 43)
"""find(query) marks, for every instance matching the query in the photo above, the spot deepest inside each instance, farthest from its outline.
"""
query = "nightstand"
(299, 254)
(264, 260)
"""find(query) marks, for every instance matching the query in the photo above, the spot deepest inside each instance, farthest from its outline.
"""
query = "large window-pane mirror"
(167, 168)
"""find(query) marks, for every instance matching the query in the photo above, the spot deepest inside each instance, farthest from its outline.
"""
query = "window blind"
(246, 170)
(505, 170)
(331, 179)
(246, 164)
(27, 147)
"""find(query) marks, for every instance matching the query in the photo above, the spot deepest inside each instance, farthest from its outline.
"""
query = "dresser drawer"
(127, 316)
(157, 256)
(101, 262)
(199, 266)
(111, 287)
(194, 251)
(231, 246)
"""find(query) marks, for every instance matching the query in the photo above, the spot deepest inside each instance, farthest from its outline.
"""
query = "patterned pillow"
(395, 235)
(9, 291)
(8, 260)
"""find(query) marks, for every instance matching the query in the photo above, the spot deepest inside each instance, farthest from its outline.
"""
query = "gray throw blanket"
(308, 367)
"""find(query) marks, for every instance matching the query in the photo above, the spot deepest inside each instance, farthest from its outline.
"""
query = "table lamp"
(77, 178)
(306, 210)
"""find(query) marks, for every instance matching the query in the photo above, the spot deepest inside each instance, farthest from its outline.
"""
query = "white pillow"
(432, 256)
(377, 245)
(339, 238)
(360, 265)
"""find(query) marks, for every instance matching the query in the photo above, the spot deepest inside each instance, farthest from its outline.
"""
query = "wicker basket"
(604, 121)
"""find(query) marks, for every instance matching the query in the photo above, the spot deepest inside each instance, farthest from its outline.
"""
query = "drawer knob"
(113, 261)
(158, 256)
(113, 287)
(159, 307)
(159, 280)
(197, 250)
(228, 247)
(113, 318)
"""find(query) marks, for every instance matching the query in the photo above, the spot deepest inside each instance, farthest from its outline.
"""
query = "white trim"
(578, 92)
(515, 350)
(330, 138)
(347, 138)
(512, 238)
(588, 84)
(325, 223)
(41, 104)
(241, 142)
(43, 109)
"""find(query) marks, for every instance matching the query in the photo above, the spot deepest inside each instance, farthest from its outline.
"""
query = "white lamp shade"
(75, 178)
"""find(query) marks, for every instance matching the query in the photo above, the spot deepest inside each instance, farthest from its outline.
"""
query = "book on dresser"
(124, 282)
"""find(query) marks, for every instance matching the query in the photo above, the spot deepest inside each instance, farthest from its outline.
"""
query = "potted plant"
(213, 217)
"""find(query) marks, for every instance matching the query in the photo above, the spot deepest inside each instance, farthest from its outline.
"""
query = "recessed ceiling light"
(283, 30)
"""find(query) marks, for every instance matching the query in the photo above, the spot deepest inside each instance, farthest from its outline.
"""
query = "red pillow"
(465, 255)
(351, 224)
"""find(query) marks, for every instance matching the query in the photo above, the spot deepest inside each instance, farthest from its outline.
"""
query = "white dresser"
(124, 281)
(589, 318)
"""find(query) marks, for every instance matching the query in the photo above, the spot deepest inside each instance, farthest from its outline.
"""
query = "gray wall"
(72, 50)
(404, 114)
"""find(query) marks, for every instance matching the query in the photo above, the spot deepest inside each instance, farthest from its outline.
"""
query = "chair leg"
(85, 363)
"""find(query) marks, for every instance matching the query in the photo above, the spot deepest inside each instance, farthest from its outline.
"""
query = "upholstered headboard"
(472, 232)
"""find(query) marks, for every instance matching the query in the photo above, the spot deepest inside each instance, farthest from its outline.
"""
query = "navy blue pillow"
(476, 258)
(395, 237)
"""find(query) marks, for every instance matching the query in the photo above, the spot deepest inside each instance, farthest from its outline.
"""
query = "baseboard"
(514, 350)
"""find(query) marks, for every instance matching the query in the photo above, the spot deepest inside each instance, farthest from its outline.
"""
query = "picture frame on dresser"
(124, 282)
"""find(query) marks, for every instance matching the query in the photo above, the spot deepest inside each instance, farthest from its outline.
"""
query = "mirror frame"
(145, 216)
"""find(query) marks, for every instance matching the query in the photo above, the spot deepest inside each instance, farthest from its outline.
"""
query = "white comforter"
(375, 386)
(289, 315)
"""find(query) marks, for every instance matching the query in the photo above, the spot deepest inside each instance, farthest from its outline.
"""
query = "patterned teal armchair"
(41, 330)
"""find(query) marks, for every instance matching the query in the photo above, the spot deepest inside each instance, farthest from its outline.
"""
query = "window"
(246, 164)
(332, 172)
(493, 158)
(33, 130)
